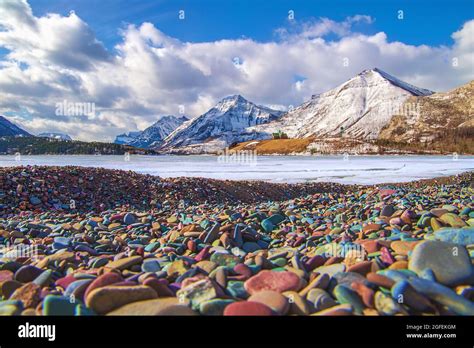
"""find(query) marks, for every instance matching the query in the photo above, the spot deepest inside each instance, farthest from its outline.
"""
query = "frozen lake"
(352, 169)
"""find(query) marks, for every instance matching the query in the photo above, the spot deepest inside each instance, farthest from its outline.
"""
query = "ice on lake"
(341, 169)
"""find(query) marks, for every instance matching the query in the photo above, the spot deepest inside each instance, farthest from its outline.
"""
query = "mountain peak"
(8, 128)
(154, 134)
(230, 102)
(396, 82)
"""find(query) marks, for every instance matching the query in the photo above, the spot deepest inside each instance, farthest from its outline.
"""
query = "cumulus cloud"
(55, 58)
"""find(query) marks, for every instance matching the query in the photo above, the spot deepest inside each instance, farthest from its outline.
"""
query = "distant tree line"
(47, 146)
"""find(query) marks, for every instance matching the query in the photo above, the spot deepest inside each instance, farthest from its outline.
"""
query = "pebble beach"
(91, 241)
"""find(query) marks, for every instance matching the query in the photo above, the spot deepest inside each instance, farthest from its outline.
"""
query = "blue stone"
(76, 286)
(44, 279)
(463, 236)
(443, 295)
(151, 265)
(129, 219)
(236, 289)
(58, 305)
(250, 247)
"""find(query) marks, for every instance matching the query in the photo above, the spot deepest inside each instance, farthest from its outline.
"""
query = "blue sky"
(425, 22)
(136, 60)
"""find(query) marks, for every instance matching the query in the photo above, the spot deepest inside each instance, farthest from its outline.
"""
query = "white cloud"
(55, 58)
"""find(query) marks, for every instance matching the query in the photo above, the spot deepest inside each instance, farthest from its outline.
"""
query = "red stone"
(371, 246)
(65, 281)
(243, 271)
(103, 280)
(380, 280)
(314, 262)
(363, 267)
(247, 308)
(270, 280)
(366, 293)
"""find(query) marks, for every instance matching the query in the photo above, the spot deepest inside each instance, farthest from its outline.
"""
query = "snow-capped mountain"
(126, 138)
(152, 136)
(358, 108)
(55, 135)
(226, 123)
(9, 129)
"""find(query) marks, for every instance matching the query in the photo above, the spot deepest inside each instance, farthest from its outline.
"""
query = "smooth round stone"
(250, 247)
(404, 293)
(399, 265)
(129, 219)
(151, 265)
(365, 293)
(99, 262)
(319, 300)
(243, 271)
(380, 280)
(207, 266)
(331, 269)
(362, 268)
(313, 262)
(28, 273)
(160, 306)
(452, 219)
(247, 308)
(403, 247)
(387, 211)
(29, 294)
(77, 289)
(124, 263)
(228, 260)
(152, 247)
(321, 281)
(345, 295)
(176, 268)
(44, 279)
(276, 301)
(58, 305)
(65, 281)
(214, 307)
(103, 280)
(449, 262)
(463, 236)
(8, 287)
(108, 298)
(386, 305)
(298, 304)
(270, 280)
(236, 289)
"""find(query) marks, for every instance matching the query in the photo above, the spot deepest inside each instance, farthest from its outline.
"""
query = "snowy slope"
(227, 122)
(358, 108)
(9, 129)
(126, 138)
(152, 136)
